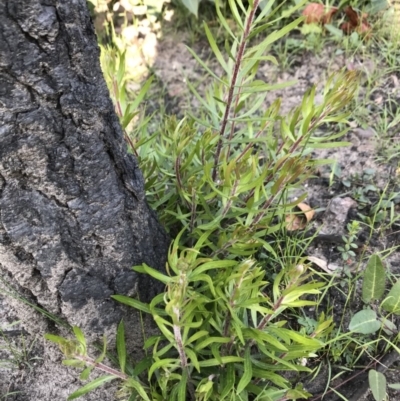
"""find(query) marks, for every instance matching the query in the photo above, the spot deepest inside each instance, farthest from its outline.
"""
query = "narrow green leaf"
(258, 50)
(73, 362)
(153, 273)
(229, 380)
(235, 13)
(224, 359)
(56, 339)
(137, 304)
(139, 97)
(91, 386)
(103, 352)
(204, 65)
(131, 382)
(394, 386)
(365, 322)
(211, 340)
(182, 386)
(377, 384)
(215, 49)
(79, 336)
(392, 301)
(121, 347)
(170, 362)
(374, 280)
(85, 374)
(328, 145)
(223, 21)
(260, 86)
(193, 358)
(196, 336)
(143, 365)
(247, 372)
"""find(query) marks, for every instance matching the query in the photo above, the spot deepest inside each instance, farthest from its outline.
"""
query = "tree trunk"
(74, 218)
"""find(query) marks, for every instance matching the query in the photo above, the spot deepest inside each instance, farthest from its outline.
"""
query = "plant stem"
(101, 366)
(232, 85)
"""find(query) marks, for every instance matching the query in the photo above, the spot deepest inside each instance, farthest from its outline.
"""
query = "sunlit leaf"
(377, 384)
(374, 280)
(365, 322)
(391, 303)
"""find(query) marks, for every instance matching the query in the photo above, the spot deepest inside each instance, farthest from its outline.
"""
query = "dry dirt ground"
(34, 372)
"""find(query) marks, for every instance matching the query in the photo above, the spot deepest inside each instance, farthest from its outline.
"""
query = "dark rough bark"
(74, 219)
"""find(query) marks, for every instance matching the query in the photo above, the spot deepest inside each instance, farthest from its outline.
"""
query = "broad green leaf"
(374, 280)
(121, 348)
(91, 386)
(377, 384)
(247, 371)
(365, 322)
(392, 301)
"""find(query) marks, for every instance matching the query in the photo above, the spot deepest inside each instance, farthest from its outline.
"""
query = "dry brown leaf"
(307, 210)
(298, 221)
(317, 13)
(323, 264)
(356, 23)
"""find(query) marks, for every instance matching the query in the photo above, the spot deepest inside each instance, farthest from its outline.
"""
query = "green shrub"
(221, 181)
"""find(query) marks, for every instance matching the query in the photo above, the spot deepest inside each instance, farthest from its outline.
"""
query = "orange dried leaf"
(314, 13)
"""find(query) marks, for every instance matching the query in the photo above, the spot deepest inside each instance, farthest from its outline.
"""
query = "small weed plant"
(222, 182)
